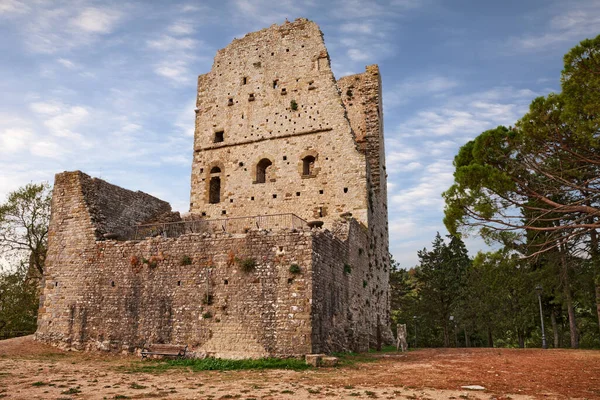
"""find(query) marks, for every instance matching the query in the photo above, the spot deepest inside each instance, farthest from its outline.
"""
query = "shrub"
(294, 105)
(247, 264)
(207, 315)
(347, 269)
(364, 284)
(295, 269)
(186, 260)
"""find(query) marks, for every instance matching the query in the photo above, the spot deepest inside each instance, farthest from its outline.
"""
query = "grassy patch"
(71, 391)
(218, 364)
(39, 383)
(137, 386)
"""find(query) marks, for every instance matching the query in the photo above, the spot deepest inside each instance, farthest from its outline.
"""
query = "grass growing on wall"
(219, 364)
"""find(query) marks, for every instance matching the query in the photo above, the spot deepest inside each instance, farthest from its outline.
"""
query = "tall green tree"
(24, 219)
(543, 175)
(441, 275)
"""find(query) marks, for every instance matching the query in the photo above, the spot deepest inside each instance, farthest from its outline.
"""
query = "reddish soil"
(31, 370)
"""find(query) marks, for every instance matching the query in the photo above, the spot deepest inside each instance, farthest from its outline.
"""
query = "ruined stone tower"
(285, 251)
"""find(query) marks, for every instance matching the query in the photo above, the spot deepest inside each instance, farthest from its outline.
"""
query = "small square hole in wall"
(252, 198)
(201, 170)
(112, 284)
(244, 80)
(345, 190)
(219, 136)
(290, 280)
(231, 200)
(226, 282)
(178, 283)
(241, 164)
(297, 193)
(321, 191)
(274, 196)
(203, 214)
(223, 212)
(284, 158)
(56, 284)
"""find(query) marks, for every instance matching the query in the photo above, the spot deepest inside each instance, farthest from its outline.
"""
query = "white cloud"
(181, 28)
(14, 140)
(53, 27)
(176, 70)
(355, 27)
(435, 178)
(64, 123)
(47, 149)
(421, 86)
(358, 55)
(13, 7)
(68, 64)
(48, 108)
(469, 115)
(573, 21)
(96, 20)
(169, 43)
(267, 12)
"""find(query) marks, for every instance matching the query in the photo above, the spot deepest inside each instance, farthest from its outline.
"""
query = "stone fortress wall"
(255, 153)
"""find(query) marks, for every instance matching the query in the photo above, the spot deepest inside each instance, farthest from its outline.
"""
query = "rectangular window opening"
(219, 136)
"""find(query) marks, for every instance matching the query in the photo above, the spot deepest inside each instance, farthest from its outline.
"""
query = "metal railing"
(229, 225)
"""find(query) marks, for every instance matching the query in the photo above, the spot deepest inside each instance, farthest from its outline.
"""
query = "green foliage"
(441, 275)
(19, 300)
(24, 221)
(246, 264)
(536, 187)
(218, 364)
(293, 105)
(347, 269)
(207, 315)
(186, 260)
(295, 269)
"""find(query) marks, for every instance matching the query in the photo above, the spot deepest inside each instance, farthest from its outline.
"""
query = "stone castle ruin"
(285, 249)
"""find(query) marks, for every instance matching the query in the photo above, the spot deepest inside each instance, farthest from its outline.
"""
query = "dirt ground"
(30, 370)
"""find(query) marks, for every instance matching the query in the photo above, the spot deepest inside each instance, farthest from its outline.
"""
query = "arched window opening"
(214, 190)
(308, 165)
(261, 170)
(215, 170)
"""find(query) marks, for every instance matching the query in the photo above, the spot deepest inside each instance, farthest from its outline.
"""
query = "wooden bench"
(165, 350)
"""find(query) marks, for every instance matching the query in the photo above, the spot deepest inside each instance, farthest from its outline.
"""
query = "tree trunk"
(569, 300)
(446, 336)
(555, 331)
(490, 341)
(597, 284)
(521, 338)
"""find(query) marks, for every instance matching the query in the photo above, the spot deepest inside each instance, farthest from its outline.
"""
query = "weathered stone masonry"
(255, 153)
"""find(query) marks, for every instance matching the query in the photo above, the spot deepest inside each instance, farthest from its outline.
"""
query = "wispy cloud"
(572, 21)
(95, 20)
(61, 26)
(403, 92)
(469, 115)
(8, 7)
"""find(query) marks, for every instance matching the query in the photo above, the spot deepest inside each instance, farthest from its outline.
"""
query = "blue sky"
(108, 87)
